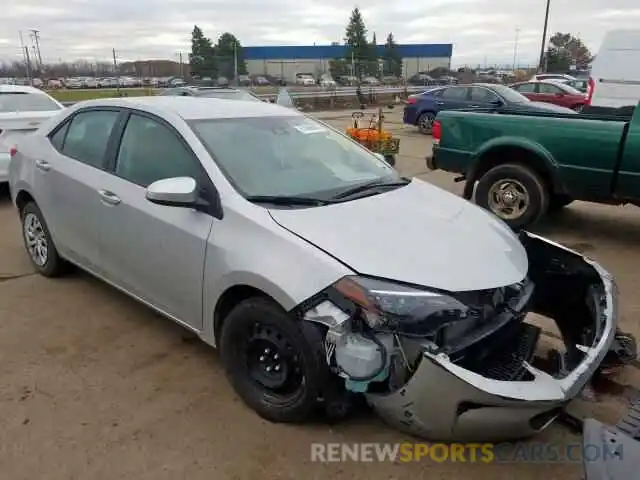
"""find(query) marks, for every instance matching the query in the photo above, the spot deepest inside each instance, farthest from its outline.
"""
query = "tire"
(558, 201)
(305, 360)
(46, 262)
(577, 108)
(390, 159)
(425, 122)
(519, 178)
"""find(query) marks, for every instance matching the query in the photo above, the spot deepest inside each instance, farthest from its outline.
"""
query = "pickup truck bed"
(521, 165)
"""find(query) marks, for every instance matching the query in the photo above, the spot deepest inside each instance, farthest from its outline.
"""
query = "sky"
(482, 31)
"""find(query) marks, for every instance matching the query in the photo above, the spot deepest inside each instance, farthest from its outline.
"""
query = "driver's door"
(155, 252)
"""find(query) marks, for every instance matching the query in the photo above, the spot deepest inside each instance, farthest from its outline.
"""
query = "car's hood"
(418, 234)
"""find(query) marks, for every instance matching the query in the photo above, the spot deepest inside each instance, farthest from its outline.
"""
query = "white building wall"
(288, 68)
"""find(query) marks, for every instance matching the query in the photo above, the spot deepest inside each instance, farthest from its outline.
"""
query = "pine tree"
(392, 60)
(202, 60)
(358, 48)
(228, 52)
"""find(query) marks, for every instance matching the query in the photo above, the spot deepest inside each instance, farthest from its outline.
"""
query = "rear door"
(551, 94)
(69, 174)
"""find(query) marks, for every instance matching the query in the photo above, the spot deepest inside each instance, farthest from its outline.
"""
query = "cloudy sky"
(481, 30)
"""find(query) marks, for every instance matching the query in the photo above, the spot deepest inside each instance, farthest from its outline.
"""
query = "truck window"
(457, 93)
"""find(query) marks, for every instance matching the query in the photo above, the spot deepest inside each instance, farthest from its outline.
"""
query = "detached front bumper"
(444, 401)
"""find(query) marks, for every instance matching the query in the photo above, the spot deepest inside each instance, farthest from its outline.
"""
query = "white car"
(74, 83)
(305, 80)
(22, 110)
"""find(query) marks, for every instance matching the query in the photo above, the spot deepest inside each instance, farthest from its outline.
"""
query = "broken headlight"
(389, 306)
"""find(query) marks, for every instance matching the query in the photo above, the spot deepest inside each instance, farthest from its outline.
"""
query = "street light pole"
(544, 37)
(515, 51)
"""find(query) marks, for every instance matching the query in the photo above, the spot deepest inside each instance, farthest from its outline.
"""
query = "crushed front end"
(468, 366)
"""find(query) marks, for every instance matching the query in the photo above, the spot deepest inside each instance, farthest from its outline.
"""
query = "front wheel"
(274, 362)
(425, 122)
(513, 192)
(577, 108)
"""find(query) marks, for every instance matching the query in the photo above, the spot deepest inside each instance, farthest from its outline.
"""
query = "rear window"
(26, 102)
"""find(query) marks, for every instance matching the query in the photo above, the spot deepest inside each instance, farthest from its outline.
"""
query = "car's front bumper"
(444, 401)
(4, 167)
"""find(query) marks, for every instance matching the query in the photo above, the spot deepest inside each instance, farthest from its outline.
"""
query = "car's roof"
(195, 108)
(19, 89)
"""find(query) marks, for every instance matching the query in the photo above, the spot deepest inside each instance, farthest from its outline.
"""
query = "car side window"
(550, 89)
(526, 88)
(455, 93)
(483, 95)
(57, 139)
(88, 135)
(151, 151)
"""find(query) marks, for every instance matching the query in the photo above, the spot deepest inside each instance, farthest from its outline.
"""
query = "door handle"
(475, 106)
(42, 165)
(109, 197)
(439, 103)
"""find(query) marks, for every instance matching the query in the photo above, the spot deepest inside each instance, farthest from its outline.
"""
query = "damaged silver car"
(321, 274)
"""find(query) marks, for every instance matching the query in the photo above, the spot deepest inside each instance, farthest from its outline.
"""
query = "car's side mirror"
(173, 192)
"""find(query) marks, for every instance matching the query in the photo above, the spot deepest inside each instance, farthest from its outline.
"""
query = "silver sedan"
(320, 273)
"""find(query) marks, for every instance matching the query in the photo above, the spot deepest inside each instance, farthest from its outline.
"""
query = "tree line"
(224, 59)
(363, 57)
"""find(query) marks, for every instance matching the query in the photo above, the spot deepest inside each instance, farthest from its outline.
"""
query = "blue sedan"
(422, 108)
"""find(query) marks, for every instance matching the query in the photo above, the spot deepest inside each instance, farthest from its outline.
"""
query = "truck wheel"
(515, 193)
(558, 201)
(425, 122)
(275, 363)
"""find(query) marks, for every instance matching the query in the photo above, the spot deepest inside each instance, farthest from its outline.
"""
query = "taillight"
(436, 131)
(13, 151)
(412, 100)
(590, 88)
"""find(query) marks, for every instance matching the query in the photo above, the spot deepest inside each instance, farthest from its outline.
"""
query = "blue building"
(286, 61)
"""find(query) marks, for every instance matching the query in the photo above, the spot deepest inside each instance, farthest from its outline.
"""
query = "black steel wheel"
(274, 362)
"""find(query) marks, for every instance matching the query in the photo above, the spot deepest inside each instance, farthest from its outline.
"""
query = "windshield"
(509, 94)
(288, 156)
(26, 102)
(229, 95)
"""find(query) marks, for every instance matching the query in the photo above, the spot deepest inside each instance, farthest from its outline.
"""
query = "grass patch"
(64, 95)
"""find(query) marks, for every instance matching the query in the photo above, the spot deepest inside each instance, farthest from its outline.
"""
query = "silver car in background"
(320, 273)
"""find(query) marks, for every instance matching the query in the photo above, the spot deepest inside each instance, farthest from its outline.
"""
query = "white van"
(615, 74)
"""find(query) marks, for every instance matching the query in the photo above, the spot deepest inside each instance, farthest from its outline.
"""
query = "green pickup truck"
(523, 165)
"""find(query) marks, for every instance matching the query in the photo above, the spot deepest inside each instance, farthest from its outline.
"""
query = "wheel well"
(501, 155)
(22, 199)
(229, 299)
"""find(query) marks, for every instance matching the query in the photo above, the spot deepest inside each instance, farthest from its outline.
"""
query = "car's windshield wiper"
(287, 200)
(376, 185)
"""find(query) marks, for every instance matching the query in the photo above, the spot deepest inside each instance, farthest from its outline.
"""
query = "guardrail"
(341, 92)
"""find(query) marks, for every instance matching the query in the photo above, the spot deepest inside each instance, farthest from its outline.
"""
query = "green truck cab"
(522, 165)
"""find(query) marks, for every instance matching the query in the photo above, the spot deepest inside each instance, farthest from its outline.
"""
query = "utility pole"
(27, 60)
(515, 51)
(235, 63)
(36, 38)
(544, 37)
(115, 71)
(181, 65)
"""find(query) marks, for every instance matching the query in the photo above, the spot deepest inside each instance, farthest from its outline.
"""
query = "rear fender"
(483, 160)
